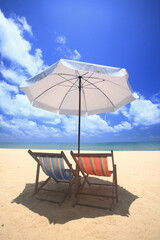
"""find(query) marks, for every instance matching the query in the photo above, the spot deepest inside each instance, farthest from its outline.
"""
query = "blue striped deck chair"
(96, 164)
(52, 165)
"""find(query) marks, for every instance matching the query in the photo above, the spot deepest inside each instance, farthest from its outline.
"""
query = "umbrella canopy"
(78, 88)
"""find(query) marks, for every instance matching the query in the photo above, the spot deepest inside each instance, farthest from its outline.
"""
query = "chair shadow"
(65, 213)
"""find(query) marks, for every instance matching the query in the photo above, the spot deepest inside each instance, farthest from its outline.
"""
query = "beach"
(135, 216)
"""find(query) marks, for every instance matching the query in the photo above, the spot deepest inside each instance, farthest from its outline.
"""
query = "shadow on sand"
(64, 213)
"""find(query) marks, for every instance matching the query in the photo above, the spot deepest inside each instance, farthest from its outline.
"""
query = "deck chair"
(52, 165)
(96, 164)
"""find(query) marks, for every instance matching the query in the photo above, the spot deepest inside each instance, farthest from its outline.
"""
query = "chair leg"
(76, 180)
(80, 189)
(79, 183)
(62, 201)
(37, 178)
(82, 186)
(69, 188)
(112, 193)
(116, 188)
(70, 182)
(43, 184)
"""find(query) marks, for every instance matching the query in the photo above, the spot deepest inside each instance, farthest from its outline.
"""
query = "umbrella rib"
(84, 91)
(87, 78)
(100, 91)
(52, 87)
(77, 73)
(59, 74)
(85, 73)
(102, 80)
(65, 74)
(67, 93)
(95, 83)
(85, 99)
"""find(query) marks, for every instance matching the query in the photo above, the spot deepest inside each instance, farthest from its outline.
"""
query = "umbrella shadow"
(66, 212)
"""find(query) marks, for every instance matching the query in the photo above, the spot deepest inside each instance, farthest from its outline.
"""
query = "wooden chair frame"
(70, 182)
(113, 184)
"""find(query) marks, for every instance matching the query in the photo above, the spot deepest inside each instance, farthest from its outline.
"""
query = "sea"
(103, 146)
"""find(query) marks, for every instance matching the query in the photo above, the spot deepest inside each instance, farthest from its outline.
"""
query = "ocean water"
(121, 146)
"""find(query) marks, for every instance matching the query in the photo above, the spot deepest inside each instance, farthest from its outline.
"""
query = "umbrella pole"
(79, 115)
(79, 133)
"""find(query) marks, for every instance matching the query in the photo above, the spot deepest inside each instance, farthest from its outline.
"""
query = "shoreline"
(119, 146)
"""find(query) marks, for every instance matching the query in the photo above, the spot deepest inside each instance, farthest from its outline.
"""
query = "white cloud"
(23, 25)
(54, 121)
(61, 40)
(65, 51)
(120, 127)
(124, 111)
(26, 129)
(24, 120)
(142, 112)
(34, 129)
(156, 97)
(19, 105)
(6, 88)
(70, 125)
(15, 48)
(12, 74)
(10, 128)
(75, 55)
(92, 125)
(106, 127)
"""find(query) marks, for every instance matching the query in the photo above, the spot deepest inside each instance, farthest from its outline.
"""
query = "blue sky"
(35, 34)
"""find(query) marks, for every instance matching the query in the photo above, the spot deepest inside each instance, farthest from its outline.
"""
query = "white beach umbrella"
(78, 88)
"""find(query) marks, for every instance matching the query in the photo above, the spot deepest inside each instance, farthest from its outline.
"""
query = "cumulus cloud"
(10, 129)
(92, 125)
(15, 48)
(18, 105)
(142, 112)
(22, 121)
(5, 89)
(95, 124)
(22, 128)
(14, 75)
(23, 25)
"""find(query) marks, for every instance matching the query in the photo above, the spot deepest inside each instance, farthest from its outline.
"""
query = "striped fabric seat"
(54, 167)
(52, 164)
(94, 165)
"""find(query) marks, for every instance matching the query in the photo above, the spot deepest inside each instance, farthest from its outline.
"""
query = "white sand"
(136, 216)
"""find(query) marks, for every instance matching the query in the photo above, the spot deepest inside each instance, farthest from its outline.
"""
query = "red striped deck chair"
(52, 165)
(96, 164)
